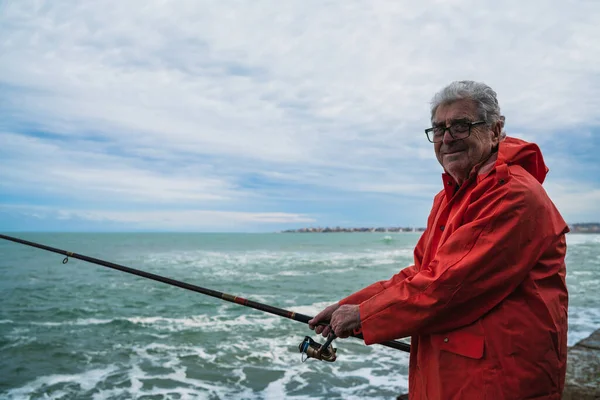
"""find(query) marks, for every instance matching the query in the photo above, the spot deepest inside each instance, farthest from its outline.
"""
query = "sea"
(83, 331)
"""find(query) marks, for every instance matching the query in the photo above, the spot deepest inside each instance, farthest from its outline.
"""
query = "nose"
(447, 137)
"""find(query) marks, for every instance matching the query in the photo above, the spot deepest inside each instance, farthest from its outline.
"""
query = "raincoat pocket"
(460, 342)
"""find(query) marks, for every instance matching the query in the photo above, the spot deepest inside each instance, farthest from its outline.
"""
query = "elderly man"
(485, 302)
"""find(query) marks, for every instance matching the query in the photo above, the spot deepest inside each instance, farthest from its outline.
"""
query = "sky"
(258, 116)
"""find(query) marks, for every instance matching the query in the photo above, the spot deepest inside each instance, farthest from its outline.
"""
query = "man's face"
(458, 157)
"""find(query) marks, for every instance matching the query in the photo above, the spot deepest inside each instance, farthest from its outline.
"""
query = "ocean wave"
(363, 367)
(207, 259)
(93, 384)
(275, 356)
(204, 322)
(583, 321)
(311, 309)
(590, 282)
(78, 322)
(16, 340)
(584, 273)
(168, 356)
(576, 239)
(268, 266)
(85, 381)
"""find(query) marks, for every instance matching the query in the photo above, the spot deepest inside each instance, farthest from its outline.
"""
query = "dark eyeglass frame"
(449, 129)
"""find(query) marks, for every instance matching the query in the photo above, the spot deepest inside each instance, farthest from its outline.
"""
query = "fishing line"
(209, 292)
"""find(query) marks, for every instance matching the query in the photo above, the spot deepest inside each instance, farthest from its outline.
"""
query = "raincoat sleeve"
(503, 234)
(371, 290)
(377, 287)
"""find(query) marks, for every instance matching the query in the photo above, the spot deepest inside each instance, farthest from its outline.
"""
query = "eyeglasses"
(458, 130)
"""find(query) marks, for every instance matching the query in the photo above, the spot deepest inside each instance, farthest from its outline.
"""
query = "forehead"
(456, 110)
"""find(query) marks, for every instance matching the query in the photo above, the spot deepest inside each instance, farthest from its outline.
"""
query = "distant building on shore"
(589, 227)
(363, 229)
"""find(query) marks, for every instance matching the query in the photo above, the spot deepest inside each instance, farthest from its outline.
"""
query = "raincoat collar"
(511, 151)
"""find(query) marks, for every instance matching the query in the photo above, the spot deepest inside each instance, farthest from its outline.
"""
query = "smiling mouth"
(449, 153)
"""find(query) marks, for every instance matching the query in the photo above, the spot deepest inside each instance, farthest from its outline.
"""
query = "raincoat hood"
(513, 151)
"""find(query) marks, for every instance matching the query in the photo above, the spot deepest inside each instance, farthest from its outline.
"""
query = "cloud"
(252, 107)
(30, 163)
(186, 219)
(577, 203)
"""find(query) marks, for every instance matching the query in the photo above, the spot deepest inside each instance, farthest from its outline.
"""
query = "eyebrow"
(452, 121)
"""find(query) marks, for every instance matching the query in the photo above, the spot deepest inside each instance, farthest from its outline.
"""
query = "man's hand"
(323, 316)
(342, 320)
(345, 319)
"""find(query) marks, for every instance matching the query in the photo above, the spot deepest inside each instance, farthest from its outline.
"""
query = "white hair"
(480, 93)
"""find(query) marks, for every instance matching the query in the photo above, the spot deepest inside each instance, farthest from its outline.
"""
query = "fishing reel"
(311, 349)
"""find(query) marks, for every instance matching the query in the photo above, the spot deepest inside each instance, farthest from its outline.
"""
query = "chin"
(455, 169)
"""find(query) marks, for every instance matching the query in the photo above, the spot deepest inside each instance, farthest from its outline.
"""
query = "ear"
(497, 132)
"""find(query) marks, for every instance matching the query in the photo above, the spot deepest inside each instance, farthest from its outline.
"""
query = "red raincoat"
(485, 303)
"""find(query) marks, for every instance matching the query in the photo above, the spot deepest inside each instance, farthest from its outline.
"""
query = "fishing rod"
(308, 347)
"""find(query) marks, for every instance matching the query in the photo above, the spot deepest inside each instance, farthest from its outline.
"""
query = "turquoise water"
(82, 331)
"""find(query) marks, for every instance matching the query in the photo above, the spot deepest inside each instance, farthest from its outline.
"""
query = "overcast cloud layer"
(265, 115)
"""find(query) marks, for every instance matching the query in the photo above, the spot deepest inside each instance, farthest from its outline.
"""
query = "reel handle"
(311, 349)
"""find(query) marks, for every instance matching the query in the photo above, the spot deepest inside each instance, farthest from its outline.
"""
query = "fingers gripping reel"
(311, 349)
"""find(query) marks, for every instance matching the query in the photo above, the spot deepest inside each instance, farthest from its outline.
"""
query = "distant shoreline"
(588, 227)
(362, 229)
